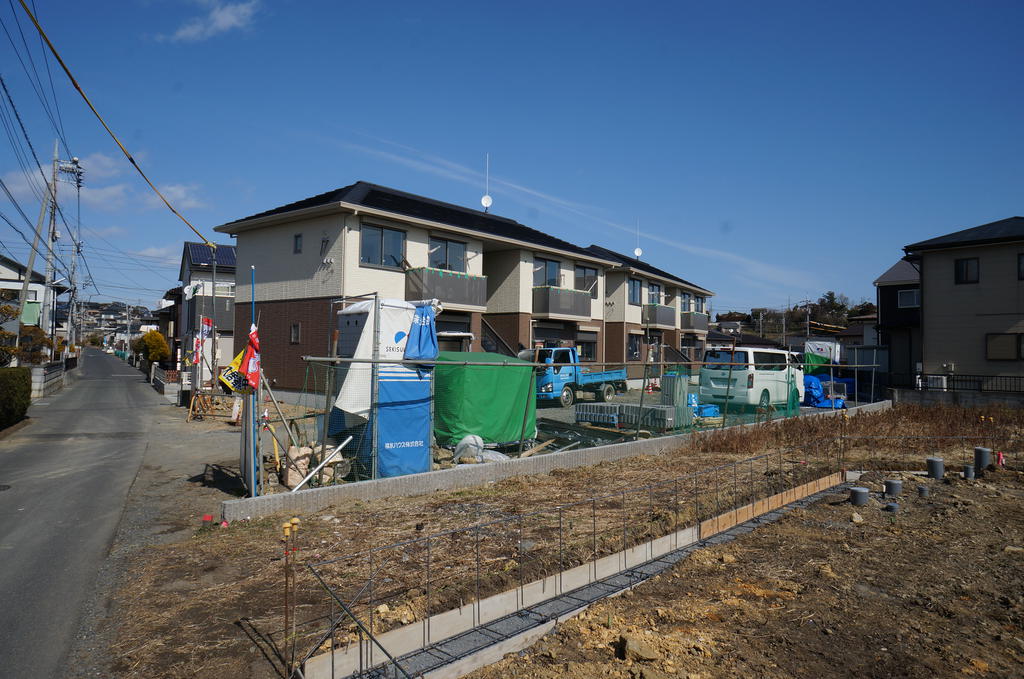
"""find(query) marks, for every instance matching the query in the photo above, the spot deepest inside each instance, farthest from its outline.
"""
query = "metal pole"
(45, 321)
(728, 382)
(327, 458)
(214, 363)
(252, 396)
(374, 386)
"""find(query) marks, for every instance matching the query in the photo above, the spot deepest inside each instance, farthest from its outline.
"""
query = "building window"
(296, 334)
(1020, 267)
(908, 299)
(636, 291)
(297, 244)
(587, 351)
(380, 246)
(586, 279)
(546, 272)
(686, 302)
(653, 293)
(966, 270)
(446, 254)
(634, 347)
(1002, 346)
(700, 304)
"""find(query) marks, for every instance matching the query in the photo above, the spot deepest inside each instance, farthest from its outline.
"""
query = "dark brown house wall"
(282, 361)
(513, 328)
(476, 328)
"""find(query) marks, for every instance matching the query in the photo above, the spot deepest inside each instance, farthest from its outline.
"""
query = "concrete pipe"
(936, 467)
(858, 496)
(968, 472)
(982, 459)
(893, 488)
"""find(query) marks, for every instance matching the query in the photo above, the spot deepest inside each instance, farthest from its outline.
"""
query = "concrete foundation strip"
(478, 634)
(467, 476)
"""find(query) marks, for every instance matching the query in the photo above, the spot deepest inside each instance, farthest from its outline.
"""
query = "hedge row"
(15, 394)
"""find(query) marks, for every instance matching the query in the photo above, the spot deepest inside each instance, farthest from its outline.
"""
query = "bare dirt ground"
(199, 605)
(934, 590)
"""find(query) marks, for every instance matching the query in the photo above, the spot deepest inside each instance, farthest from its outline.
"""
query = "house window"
(546, 272)
(634, 347)
(587, 350)
(446, 254)
(296, 334)
(700, 302)
(586, 279)
(297, 244)
(1020, 267)
(636, 291)
(380, 246)
(653, 293)
(686, 302)
(966, 270)
(909, 299)
(1002, 346)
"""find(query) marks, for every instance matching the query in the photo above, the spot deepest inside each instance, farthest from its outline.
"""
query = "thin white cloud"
(221, 18)
(22, 188)
(108, 231)
(169, 254)
(181, 196)
(108, 198)
(101, 166)
(439, 167)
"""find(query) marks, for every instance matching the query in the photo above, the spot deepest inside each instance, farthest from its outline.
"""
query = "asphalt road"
(69, 473)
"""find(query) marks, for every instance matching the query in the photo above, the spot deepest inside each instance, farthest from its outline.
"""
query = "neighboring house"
(971, 300)
(12, 277)
(198, 301)
(168, 315)
(504, 286)
(647, 308)
(898, 298)
(860, 331)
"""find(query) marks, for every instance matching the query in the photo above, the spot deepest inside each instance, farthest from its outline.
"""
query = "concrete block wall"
(964, 399)
(463, 476)
(47, 379)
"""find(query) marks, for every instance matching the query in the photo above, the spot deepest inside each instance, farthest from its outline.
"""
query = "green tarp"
(484, 400)
(813, 363)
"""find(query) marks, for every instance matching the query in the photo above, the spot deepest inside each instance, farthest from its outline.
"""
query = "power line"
(6, 190)
(36, 83)
(106, 127)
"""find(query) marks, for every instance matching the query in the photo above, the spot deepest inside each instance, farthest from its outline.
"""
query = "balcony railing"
(549, 301)
(693, 320)
(449, 287)
(1010, 384)
(659, 315)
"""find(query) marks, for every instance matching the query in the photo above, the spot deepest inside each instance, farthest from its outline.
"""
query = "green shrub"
(15, 394)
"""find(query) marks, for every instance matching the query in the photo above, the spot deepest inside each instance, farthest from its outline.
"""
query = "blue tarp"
(705, 410)
(814, 395)
(422, 342)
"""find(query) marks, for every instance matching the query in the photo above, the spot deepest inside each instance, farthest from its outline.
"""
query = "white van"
(759, 377)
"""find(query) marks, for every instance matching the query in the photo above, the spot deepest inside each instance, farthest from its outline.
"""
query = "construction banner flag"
(233, 377)
(250, 366)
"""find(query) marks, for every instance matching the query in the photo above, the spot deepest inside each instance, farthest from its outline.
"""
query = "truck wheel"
(765, 401)
(567, 398)
(606, 393)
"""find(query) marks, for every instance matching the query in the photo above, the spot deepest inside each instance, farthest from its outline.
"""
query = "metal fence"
(1013, 384)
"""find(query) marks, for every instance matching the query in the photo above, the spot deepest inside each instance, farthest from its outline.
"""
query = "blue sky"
(770, 151)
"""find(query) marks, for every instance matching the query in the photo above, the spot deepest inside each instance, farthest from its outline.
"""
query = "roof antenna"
(486, 201)
(637, 252)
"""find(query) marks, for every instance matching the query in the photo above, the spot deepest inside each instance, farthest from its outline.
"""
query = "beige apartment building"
(504, 286)
(972, 300)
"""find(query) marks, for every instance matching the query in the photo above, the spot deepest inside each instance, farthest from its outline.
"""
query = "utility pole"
(46, 317)
(73, 168)
(23, 297)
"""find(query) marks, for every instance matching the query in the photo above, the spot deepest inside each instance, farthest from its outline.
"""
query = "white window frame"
(917, 299)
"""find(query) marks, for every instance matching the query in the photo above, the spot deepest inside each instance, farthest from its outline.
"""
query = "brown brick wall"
(282, 361)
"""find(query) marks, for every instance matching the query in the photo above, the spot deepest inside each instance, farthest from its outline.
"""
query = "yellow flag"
(233, 378)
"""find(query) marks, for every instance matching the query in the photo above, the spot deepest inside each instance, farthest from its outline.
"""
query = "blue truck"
(564, 377)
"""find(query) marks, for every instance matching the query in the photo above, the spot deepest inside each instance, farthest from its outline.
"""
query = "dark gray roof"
(20, 269)
(1010, 229)
(900, 272)
(408, 204)
(639, 265)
